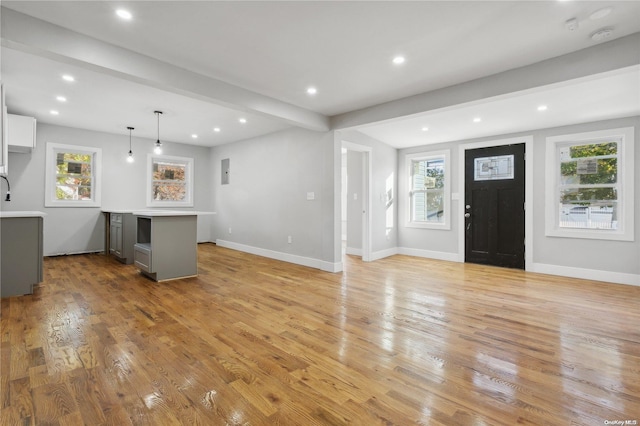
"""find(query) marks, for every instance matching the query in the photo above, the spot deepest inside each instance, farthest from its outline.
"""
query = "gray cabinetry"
(115, 246)
(20, 254)
(122, 236)
(166, 246)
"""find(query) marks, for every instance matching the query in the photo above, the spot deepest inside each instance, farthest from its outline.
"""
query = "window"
(429, 190)
(169, 181)
(589, 185)
(72, 176)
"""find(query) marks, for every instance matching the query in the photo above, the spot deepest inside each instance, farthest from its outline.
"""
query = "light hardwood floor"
(255, 341)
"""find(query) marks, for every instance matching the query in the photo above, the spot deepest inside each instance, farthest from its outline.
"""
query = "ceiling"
(266, 54)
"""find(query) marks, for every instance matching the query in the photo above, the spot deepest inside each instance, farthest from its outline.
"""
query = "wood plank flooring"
(400, 341)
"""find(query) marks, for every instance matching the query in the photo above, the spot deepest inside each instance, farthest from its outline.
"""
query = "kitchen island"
(166, 244)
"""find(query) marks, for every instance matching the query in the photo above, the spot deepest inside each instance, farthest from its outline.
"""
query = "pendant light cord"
(158, 115)
(130, 129)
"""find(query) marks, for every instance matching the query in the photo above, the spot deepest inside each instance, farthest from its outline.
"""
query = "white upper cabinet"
(21, 133)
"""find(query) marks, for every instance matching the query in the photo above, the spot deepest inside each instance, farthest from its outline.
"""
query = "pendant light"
(130, 158)
(158, 146)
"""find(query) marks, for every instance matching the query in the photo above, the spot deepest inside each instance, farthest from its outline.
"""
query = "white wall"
(617, 261)
(266, 199)
(77, 230)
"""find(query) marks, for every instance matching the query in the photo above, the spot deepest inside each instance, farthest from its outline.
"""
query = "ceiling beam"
(28, 34)
(621, 53)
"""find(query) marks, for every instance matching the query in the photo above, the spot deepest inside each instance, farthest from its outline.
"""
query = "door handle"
(467, 215)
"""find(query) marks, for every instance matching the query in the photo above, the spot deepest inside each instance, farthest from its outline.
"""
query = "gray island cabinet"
(166, 244)
(20, 252)
(120, 234)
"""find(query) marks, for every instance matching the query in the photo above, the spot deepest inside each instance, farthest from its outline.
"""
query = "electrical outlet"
(229, 230)
(289, 239)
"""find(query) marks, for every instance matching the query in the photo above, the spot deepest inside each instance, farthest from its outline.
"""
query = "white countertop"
(22, 214)
(159, 212)
(152, 213)
(116, 210)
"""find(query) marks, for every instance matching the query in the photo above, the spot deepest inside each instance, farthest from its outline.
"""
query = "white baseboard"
(542, 268)
(285, 257)
(353, 251)
(381, 254)
(430, 254)
(587, 274)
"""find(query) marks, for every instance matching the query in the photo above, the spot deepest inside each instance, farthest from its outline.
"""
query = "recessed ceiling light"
(542, 108)
(68, 77)
(54, 112)
(477, 120)
(216, 129)
(600, 13)
(124, 14)
(312, 90)
(425, 129)
(194, 136)
(398, 60)
(242, 120)
(61, 99)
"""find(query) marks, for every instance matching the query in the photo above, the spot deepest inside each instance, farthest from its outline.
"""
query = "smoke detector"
(572, 24)
(602, 34)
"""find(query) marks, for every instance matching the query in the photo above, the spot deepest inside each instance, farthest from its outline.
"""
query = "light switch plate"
(311, 195)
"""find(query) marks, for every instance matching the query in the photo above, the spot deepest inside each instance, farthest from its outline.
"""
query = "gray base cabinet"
(166, 246)
(122, 236)
(20, 254)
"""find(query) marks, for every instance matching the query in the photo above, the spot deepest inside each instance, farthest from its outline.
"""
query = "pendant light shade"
(130, 158)
(158, 147)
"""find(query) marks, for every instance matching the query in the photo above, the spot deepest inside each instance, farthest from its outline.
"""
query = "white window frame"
(53, 149)
(188, 162)
(625, 230)
(421, 156)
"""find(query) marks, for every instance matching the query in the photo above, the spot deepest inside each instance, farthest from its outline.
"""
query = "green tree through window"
(427, 190)
(588, 185)
(73, 176)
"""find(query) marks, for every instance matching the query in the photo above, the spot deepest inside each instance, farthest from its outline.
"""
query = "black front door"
(494, 206)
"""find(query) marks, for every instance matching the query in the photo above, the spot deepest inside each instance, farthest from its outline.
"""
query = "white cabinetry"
(4, 153)
(21, 133)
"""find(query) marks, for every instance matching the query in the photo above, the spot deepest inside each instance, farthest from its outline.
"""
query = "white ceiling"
(278, 49)
(605, 96)
(109, 104)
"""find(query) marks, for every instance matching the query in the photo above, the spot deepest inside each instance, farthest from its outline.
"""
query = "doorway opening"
(356, 200)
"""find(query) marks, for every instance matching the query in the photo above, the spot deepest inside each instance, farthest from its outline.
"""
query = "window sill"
(588, 234)
(419, 225)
